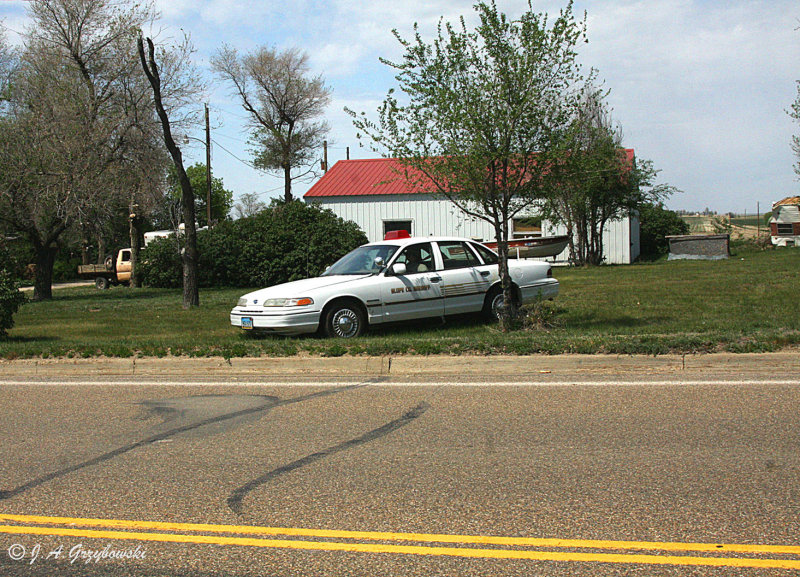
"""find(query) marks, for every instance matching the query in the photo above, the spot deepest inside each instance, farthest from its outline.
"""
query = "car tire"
(101, 283)
(345, 320)
(494, 303)
(109, 262)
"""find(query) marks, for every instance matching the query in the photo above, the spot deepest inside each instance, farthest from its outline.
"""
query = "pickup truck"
(110, 272)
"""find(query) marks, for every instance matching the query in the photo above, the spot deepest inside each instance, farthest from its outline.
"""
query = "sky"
(699, 87)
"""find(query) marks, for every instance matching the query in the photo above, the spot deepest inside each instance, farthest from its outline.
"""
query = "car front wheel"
(345, 320)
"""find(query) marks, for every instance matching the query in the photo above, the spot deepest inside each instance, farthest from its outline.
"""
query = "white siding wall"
(428, 215)
(620, 240)
(432, 216)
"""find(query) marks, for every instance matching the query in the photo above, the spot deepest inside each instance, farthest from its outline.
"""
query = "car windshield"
(362, 260)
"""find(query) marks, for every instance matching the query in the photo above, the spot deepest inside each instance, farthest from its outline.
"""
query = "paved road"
(371, 477)
(61, 285)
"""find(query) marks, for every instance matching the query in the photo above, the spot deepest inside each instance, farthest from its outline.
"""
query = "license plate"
(247, 323)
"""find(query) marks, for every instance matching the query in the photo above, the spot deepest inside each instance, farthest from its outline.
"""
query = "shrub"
(160, 264)
(10, 301)
(285, 242)
(12, 258)
(657, 222)
(66, 268)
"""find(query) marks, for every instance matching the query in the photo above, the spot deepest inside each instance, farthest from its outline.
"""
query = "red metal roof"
(362, 178)
(372, 177)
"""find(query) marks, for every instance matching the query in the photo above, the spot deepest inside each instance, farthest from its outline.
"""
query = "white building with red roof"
(373, 194)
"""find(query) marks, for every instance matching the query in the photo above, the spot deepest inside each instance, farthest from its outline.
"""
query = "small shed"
(785, 222)
(699, 246)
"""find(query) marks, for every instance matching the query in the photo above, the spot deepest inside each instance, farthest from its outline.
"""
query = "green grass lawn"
(747, 303)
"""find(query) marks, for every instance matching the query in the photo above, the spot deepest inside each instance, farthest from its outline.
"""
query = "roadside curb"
(775, 366)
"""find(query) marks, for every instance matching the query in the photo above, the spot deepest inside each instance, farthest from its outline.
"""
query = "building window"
(392, 225)
(527, 227)
(785, 229)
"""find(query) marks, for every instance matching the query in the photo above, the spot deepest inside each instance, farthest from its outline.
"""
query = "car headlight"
(242, 302)
(299, 302)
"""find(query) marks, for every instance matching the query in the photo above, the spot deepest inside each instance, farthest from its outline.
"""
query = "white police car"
(399, 278)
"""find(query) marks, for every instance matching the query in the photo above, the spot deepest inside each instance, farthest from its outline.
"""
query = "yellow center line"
(418, 537)
(407, 549)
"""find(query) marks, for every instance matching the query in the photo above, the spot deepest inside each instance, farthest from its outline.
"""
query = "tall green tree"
(221, 198)
(596, 181)
(284, 103)
(480, 114)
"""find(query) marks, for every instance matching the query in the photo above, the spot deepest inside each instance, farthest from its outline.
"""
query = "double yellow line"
(352, 541)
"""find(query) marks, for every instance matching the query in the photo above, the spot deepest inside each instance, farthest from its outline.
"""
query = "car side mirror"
(399, 268)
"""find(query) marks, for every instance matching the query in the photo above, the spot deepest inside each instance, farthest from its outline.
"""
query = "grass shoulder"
(742, 304)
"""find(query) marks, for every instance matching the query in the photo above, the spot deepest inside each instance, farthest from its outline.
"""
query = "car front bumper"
(279, 321)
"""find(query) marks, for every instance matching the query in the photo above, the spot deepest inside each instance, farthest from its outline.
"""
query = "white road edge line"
(545, 383)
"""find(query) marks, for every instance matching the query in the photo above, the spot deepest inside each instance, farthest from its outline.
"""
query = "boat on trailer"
(533, 247)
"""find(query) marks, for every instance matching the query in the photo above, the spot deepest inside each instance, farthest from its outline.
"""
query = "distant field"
(749, 220)
(738, 226)
(742, 304)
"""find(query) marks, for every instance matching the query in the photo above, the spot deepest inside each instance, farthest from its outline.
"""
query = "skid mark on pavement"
(270, 403)
(235, 499)
(518, 548)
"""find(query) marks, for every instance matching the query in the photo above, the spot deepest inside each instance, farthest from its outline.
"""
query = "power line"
(251, 165)
(233, 138)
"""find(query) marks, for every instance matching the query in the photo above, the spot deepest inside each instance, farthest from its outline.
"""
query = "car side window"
(417, 258)
(488, 256)
(456, 254)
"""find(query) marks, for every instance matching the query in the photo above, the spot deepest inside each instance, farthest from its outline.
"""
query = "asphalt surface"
(602, 456)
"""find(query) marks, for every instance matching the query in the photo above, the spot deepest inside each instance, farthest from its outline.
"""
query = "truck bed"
(94, 270)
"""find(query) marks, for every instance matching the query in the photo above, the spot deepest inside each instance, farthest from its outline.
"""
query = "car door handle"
(435, 279)
(485, 273)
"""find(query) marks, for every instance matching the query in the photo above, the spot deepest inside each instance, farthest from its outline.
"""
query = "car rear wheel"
(345, 320)
(101, 283)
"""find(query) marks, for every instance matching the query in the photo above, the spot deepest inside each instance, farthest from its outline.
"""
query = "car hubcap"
(345, 323)
(498, 303)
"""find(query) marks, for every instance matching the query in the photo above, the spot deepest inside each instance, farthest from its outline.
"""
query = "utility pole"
(325, 155)
(208, 171)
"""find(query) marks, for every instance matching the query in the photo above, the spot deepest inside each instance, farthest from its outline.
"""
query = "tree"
(68, 127)
(480, 115)
(596, 181)
(795, 113)
(189, 253)
(284, 105)
(248, 205)
(8, 63)
(221, 198)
